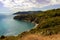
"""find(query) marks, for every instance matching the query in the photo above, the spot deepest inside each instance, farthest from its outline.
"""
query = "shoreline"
(35, 25)
(32, 23)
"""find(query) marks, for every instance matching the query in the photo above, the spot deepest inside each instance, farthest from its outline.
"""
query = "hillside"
(49, 21)
(29, 12)
(48, 27)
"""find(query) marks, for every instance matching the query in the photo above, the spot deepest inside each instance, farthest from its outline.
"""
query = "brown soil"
(40, 37)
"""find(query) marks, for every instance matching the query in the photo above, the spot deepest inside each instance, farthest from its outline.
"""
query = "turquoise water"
(9, 26)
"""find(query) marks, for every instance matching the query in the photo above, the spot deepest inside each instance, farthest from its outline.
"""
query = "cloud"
(25, 5)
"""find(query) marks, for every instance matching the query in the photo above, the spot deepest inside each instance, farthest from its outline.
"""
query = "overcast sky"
(10, 6)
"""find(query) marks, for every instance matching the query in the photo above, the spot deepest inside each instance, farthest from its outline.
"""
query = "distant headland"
(48, 25)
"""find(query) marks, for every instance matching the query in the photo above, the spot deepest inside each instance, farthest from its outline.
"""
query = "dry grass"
(40, 37)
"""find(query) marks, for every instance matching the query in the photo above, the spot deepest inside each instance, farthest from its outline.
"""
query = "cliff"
(48, 26)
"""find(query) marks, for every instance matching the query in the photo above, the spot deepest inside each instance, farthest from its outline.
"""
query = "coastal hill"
(27, 12)
(48, 27)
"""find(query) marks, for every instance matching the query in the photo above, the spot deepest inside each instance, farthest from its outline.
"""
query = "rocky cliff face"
(48, 28)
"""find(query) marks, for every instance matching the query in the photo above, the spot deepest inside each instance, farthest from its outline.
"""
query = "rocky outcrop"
(48, 28)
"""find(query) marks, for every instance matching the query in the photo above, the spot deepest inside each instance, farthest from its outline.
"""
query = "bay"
(9, 26)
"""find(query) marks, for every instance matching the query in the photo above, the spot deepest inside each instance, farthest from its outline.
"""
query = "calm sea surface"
(9, 26)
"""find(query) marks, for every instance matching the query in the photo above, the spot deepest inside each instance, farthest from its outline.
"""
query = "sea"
(11, 27)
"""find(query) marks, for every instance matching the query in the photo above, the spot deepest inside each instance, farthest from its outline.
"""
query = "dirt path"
(40, 37)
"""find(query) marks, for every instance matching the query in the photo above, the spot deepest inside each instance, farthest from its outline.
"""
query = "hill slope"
(48, 26)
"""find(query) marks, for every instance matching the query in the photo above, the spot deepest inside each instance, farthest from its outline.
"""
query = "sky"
(11, 6)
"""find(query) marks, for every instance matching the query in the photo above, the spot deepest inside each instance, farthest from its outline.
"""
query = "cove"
(11, 27)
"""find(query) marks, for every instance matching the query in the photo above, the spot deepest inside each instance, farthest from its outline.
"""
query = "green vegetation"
(49, 23)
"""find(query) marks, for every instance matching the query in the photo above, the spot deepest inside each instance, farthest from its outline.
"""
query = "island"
(47, 26)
